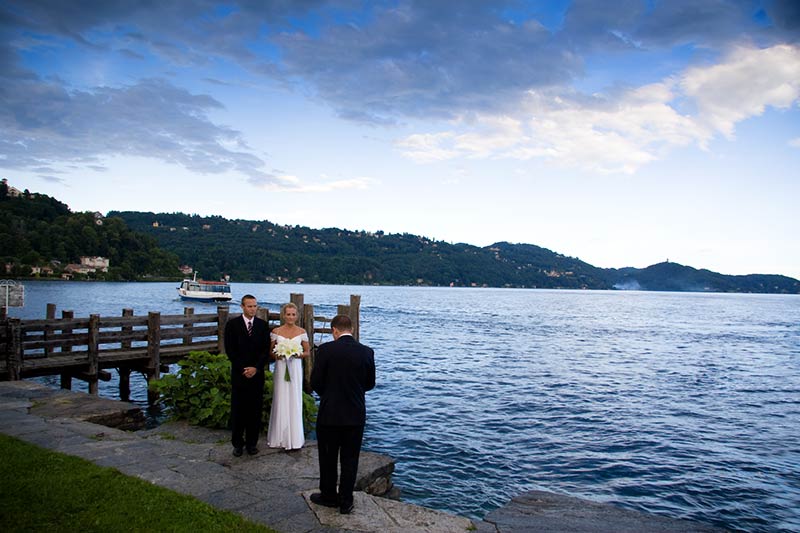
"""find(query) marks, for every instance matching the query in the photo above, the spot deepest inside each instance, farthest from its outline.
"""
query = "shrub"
(200, 392)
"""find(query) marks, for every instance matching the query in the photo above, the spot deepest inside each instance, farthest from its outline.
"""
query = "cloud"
(499, 71)
(290, 183)
(626, 129)
(44, 123)
(795, 142)
(742, 86)
(598, 134)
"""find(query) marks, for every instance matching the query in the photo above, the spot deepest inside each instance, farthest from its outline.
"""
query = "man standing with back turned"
(247, 347)
(344, 370)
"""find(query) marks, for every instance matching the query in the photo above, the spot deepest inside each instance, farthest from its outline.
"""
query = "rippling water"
(681, 404)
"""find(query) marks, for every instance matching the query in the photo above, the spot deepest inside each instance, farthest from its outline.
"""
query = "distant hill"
(262, 251)
(676, 277)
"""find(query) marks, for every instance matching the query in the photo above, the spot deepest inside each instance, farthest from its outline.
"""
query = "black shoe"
(320, 500)
(237, 451)
(346, 509)
(252, 450)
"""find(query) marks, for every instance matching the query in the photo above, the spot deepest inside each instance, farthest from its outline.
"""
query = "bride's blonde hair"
(286, 306)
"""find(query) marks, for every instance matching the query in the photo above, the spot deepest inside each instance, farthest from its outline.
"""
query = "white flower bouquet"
(286, 349)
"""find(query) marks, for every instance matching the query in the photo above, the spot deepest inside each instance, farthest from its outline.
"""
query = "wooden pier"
(85, 348)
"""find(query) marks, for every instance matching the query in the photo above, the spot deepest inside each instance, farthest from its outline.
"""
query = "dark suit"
(344, 370)
(247, 394)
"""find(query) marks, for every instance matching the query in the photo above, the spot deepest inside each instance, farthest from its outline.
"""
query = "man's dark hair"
(342, 323)
(248, 297)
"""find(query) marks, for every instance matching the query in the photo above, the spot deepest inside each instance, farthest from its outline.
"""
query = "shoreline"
(197, 461)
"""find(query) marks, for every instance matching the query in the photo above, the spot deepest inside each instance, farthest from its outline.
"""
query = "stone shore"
(272, 488)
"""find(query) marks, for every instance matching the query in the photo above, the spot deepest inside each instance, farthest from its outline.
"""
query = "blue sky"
(624, 133)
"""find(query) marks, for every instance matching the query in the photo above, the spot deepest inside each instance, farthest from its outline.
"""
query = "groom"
(344, 369)
(247, 347)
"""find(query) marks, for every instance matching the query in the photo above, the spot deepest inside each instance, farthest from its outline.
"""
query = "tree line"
(37, 230)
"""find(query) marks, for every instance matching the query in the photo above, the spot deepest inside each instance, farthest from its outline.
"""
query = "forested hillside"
(262, 251)
(39, 231)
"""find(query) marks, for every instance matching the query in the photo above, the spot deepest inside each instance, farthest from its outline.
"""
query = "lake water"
(680, 404)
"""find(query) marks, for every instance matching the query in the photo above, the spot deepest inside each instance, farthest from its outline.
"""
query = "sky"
(623, 133)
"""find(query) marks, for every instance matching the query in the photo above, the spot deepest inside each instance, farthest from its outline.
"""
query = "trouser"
(247, 404)
(339, 444)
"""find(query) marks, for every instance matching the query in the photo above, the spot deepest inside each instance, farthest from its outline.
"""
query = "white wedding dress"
(286, 418)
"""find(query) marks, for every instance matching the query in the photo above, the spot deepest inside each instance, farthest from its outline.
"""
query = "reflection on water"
(686, 405)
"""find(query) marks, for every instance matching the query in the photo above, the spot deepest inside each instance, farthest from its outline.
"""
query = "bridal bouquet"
(286, 349)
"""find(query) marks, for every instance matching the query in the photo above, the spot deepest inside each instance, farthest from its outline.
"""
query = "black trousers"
(247, 404)
(338, 444)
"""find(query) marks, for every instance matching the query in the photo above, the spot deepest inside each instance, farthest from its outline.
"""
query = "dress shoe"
(237, 451)
(252, 450)
(320, 500)
(346, 509)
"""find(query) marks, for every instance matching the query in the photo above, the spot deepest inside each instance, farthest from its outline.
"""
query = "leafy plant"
(200, 392)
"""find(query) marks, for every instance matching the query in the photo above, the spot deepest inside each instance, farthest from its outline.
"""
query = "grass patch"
(49, 491)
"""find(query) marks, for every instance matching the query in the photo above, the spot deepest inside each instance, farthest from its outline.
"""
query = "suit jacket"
(245, 350)
(344, 370)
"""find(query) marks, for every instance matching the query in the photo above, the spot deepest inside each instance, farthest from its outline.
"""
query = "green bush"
(201, 392)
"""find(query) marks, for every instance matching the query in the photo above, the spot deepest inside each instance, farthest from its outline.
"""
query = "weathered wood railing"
(84, 348)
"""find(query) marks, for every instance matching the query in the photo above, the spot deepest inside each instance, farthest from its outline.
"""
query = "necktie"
(249, 327)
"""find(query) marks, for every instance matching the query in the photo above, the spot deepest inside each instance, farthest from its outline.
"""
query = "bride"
(286, 418)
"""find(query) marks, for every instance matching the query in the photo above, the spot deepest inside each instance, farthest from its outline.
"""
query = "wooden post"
(66, 378)
(355, 312)
(187, 328)
(297, 299)
(93, 350)
(14, 361)
(3, 312)
(222, 319)
(308, 364)
(124, 371)
(153, 353)
(50, 314)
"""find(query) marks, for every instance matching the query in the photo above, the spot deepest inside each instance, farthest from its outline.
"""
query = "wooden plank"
(181, 320)
(222, 319)
(125, 321)
(308, 363)
(57, 324)
(188, 331)
(93, 351)
(177, 333)
(14, 355)
(48, 330)
(66, 378)
(123, 371)
(153, 353)
(354, 311)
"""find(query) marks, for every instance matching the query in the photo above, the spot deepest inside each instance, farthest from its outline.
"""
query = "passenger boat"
(205, 291)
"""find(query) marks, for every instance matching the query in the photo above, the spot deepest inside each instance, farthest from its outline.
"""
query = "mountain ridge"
(251, 250)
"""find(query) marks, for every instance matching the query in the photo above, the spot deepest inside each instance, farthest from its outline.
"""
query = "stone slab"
(371, 513)
(555, 513)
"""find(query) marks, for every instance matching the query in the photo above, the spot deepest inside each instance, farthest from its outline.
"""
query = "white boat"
(205, 291)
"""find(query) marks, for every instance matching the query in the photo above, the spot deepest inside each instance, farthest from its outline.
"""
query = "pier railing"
(85, 348)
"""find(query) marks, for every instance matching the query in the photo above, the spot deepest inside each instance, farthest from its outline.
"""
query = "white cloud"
(290, 183)
(426, 148)
(743, 85)
(624, 131)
